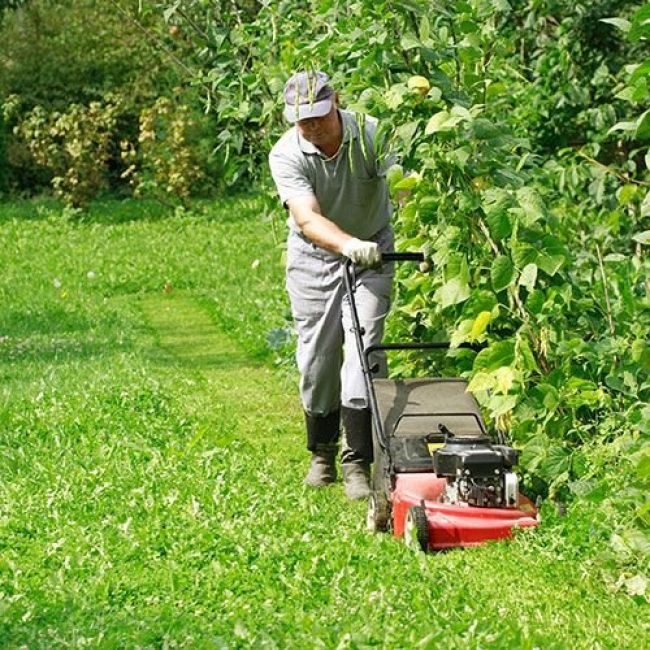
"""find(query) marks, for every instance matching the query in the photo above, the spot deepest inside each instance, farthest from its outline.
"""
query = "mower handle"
(388, 257)
(402, 257)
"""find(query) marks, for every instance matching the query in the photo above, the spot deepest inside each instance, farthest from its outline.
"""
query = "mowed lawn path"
(152, 457)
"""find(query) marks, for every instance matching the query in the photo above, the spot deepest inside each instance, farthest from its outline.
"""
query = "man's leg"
(372, 297)
(314, 287)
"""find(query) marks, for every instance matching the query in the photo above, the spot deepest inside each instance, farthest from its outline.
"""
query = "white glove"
(363, 253)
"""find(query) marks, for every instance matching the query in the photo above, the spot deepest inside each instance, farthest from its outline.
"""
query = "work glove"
(363, 253)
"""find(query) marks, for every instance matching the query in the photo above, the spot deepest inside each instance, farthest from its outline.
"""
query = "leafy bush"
(165, 162)
(73, 146)
(52, 59)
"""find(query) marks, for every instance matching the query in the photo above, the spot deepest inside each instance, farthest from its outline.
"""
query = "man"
(328, 177)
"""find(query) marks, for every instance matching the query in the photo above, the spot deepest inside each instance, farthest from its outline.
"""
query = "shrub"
(57, 54)
(165, 163)
(73, 146)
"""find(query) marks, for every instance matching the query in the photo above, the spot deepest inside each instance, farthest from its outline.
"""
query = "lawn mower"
(439, 480)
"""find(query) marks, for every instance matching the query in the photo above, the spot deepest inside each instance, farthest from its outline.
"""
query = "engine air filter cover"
(470, 457)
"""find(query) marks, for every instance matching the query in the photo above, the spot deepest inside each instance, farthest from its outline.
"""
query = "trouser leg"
(315, 292)
(372, 298)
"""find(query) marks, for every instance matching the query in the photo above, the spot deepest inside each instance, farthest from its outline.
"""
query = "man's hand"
(363, 253)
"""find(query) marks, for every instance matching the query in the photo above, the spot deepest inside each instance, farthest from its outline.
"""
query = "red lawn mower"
(438, 480)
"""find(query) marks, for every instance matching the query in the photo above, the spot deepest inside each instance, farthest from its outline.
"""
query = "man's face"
(320, 130)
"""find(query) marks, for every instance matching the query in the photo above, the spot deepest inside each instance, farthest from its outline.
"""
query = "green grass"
(151, 464)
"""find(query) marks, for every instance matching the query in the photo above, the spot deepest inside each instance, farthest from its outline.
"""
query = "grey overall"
(327, 357)
(351, 191)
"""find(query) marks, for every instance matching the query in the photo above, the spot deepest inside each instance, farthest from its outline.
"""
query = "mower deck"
(449, 526)
(439, 479)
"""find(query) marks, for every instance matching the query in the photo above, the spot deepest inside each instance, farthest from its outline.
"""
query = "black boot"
(357, 424)
(322, 441)
(357, 453)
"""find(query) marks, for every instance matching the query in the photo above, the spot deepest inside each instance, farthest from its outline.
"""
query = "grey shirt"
(350, 188)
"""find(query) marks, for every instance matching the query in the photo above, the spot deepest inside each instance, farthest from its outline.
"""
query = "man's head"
(307, 95)
(311, 103)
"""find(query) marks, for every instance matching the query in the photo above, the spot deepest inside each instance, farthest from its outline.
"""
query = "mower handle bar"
(392, 257)
(402, 257)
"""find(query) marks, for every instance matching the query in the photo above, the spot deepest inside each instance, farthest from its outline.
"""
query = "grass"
(151, 464)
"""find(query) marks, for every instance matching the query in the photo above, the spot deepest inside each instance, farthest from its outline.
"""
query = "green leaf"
(643, 126)
(485, 130)
(394, 96)
(529, 276)
(557, 462)
(425, 29)
(531, 203)
(643, 465)
(494, 200)
(405, 132)
(461, 112)
(434, 94)
(410, 41)
(525, 357)
(640, 71)
(551, 396)
(535, 301)
(436, 123)
(452, 292)
(481, 381)
(501, 353)
(621, 23)
(623, 126)
(505, 377)
(502, 273)
(460, 334)
(524, 254)
(499, 225)
(645, 204)
(394, 174)
(501, 404)
(407, 183)
(550, 264)
(640, 24)
(626, 193)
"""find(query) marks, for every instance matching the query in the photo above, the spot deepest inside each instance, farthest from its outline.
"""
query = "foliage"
(165, 162)
(569, 55)
(74, 146)
(152, 468)
(51, 58)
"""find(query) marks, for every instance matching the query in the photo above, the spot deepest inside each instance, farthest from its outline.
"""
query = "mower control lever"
(444, 430)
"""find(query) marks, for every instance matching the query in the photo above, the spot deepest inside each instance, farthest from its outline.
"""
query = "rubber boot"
(322, 441)
(357, 452)
(356, 478)
(322, 470)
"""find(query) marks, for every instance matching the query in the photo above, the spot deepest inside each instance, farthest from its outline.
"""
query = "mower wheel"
(378, 516)
(416, 529)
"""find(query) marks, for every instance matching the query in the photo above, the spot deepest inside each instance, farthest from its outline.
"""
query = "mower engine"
(478, 473)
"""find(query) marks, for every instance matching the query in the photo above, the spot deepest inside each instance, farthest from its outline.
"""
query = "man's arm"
(326, 234)
(318, 228)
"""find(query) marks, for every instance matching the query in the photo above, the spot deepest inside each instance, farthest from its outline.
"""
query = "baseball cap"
(307, 94)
